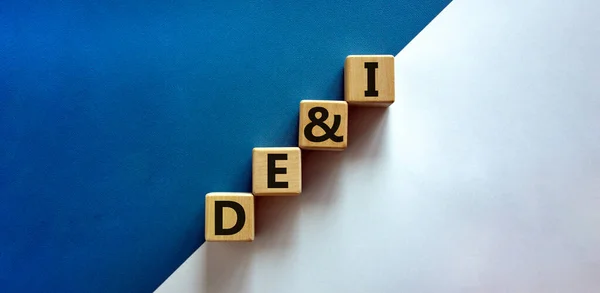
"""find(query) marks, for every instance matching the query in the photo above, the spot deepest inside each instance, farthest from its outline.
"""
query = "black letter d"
(241, 217)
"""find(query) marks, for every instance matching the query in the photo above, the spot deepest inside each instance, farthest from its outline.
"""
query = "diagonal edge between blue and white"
(116, 118)
(482, 177)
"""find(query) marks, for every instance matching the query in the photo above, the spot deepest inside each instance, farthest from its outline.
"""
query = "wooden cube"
(323, 125)
(229, 216)
(369, 80)
(276, 171)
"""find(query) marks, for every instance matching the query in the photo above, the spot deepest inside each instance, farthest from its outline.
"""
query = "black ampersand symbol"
(329, 132)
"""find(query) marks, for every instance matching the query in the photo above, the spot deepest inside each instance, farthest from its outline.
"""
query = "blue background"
(117, 117)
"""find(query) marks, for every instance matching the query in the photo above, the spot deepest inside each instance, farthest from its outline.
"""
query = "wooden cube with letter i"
(229, 216)
(323, 125)
(276, 171)
(369, 80)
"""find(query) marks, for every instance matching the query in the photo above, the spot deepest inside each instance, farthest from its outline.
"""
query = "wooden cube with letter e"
(276, 171)
(229, 216)
(323, 125)
(369, 80)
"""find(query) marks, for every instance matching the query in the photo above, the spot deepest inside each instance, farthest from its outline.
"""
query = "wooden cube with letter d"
(229, 216)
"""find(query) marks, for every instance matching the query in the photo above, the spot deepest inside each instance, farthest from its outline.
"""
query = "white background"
(484, 176)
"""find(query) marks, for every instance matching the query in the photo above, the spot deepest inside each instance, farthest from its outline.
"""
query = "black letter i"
(371, 91)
